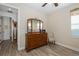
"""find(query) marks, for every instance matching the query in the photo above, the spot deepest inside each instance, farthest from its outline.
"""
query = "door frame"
(18, 18)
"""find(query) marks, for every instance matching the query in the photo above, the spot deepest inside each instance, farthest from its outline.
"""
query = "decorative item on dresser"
(36, 36)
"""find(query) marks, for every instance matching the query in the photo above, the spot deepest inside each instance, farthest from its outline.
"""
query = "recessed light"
(9, 9)
(49, 3)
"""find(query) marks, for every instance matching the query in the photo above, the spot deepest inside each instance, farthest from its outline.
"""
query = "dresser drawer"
(36, 40)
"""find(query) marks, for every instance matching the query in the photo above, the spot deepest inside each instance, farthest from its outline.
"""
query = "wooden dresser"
(35, 39)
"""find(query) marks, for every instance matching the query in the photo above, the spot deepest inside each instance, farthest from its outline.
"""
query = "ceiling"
(36, 6)
(8, 9)
(47, 9)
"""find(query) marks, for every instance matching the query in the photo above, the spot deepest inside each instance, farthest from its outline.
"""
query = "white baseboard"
(67, 46)
(22, 48)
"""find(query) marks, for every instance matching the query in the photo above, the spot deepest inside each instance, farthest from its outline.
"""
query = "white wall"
(24, 14)
(1, 29)
(13, 16)
(59, 22)
(6, 28)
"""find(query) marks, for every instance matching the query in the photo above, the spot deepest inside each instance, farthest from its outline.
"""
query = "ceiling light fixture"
(10, 10)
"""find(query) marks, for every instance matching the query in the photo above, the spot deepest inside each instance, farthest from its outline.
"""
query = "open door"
(15, 30)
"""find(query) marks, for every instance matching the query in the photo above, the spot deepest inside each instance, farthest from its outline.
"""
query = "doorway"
(8, 29)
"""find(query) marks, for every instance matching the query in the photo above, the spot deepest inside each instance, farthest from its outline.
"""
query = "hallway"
(8, 48)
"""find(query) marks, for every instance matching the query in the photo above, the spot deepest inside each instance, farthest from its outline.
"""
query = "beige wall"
(24, 14)
(59, 23)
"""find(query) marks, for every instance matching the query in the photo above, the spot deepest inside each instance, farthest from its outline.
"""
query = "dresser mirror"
(34, 25)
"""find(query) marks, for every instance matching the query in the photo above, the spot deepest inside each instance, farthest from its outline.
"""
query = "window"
(75, 25)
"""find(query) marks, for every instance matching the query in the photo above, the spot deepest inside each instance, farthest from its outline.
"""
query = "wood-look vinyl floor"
(9, 49)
